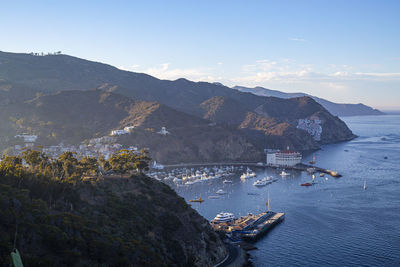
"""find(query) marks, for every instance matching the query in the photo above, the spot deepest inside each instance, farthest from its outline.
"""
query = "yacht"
(223, 217)
(260, 183)
(263, 182)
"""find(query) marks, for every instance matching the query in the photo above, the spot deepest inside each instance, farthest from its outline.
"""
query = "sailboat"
(313, 160)
(365, 185)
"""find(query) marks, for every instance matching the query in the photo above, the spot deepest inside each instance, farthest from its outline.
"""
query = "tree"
(69, 164)
(88, 166)
(142, 160)
(122, 161)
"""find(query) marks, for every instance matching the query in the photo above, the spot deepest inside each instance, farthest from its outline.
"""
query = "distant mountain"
(244, 120)
(334, 108)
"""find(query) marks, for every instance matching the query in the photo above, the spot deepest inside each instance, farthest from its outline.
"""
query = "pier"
(249, 227)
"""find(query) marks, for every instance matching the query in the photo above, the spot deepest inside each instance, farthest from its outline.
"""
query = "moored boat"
(200, 200)
(223, 217)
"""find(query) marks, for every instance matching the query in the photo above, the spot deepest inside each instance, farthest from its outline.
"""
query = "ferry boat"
(223, 217)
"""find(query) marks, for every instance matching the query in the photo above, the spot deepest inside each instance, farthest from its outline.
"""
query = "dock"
(250, 227)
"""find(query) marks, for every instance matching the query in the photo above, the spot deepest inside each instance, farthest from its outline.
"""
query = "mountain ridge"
(337, 109)
(239, 115)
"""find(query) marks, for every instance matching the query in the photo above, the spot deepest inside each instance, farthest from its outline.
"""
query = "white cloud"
(164, 71)
(130, 68)
(297, 39)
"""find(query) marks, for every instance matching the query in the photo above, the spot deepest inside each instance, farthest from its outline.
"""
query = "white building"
(129, 129)
(163, 131)
(117, 132)
(27, 138)
(283, 158)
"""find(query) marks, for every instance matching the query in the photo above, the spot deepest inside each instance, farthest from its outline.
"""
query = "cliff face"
(133, 221)
(298, 123)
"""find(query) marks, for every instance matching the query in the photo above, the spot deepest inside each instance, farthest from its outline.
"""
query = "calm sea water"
(335, 222)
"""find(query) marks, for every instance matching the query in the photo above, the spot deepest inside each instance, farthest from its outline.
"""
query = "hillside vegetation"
(109, 221)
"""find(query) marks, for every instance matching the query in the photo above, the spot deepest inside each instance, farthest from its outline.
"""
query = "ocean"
(335, 222)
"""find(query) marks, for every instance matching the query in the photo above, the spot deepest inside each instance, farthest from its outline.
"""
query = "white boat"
(214, 197)
(223, 217)
(227, 181)
(283, 173)
(220, 192)
(248, 174)
(263, 182)
(365, 185)
(260, 183)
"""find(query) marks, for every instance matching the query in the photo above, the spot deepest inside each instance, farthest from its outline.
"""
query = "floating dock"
(249, 227)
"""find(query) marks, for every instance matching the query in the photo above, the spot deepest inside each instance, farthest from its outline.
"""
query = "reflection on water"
(334, 222)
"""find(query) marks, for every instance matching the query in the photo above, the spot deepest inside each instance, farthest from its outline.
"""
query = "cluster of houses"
(313, 127)
(92, 149)
(28, 138)
(95, 147)
(106, 146)
(130, 129)
(126, 130)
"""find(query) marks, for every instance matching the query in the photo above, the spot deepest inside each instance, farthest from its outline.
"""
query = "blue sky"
(345, 51)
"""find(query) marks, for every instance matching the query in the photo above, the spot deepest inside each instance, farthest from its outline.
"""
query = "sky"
(344, 51)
